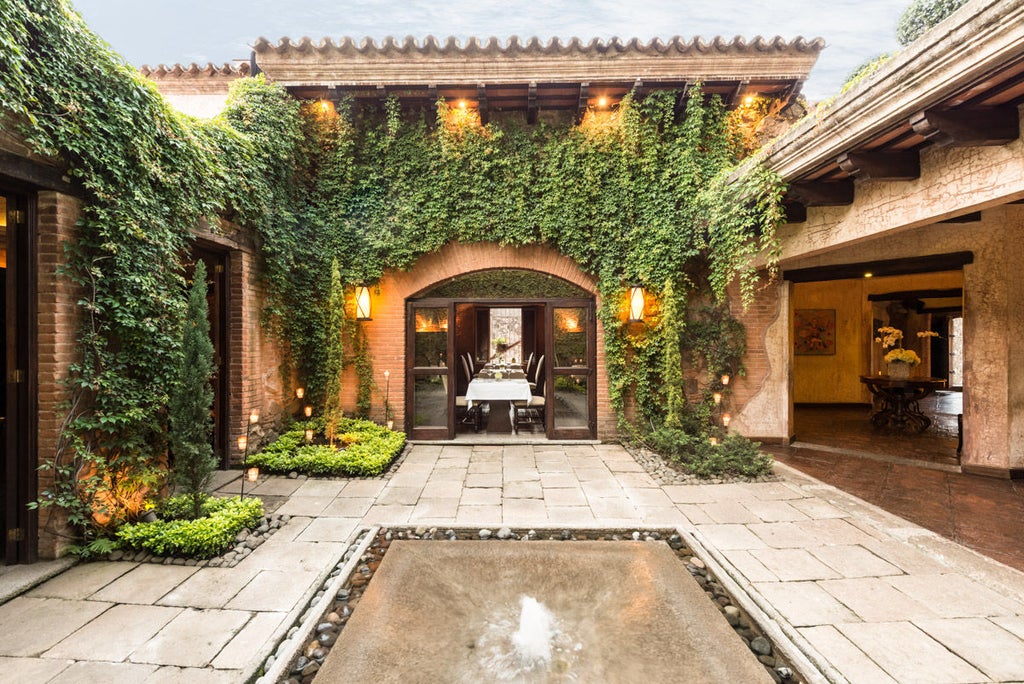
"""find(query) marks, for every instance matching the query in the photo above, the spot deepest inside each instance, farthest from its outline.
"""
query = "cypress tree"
(334, 352)
(192, 398)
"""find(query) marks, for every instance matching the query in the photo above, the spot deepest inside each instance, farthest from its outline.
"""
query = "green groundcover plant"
(732, 456)
(174, 534)
(362, 448)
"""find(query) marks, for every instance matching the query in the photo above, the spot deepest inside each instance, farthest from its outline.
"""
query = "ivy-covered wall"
(640, 194)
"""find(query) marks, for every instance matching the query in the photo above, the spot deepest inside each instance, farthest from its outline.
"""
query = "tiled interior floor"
(982, 513)
(845, 426)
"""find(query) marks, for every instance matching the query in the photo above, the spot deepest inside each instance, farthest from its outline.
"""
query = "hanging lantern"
(717, 396)
(252, 474)
(637, 298)
(362, 303)
(725, 379)
(308, 411)
(726, 419)
(243, 443)
(300, 392)
(254, 417)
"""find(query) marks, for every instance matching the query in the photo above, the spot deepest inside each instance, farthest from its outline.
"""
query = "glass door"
(570, 391)
(429, 405)
(17, 417)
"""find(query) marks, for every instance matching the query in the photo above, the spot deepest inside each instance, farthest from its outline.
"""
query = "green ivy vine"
(644, 195)
(641, 194)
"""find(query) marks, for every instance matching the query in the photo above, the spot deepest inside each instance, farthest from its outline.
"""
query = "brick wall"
(386, 332)
(57, 326)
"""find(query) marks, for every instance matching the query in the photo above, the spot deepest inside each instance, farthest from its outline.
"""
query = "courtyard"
(854, 593)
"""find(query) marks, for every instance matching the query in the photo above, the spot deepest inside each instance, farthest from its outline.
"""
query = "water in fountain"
(533, 638)
(532, 648)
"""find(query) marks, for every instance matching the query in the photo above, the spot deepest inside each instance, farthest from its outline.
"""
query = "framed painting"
(814, 332)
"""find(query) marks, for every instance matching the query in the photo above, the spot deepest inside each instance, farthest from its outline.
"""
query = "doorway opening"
(17, 367)
(541, 335)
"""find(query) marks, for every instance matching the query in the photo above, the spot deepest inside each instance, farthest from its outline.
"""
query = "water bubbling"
(527, 648)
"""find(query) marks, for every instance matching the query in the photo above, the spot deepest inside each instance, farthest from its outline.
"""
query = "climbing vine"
(641, 194)
(148, 176)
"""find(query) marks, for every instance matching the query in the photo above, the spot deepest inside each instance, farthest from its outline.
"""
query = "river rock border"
(309, 640)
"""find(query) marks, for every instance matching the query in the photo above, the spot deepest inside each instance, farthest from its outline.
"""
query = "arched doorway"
(528, 320)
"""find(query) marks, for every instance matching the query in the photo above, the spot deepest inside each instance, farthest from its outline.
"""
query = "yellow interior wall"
(835, 379)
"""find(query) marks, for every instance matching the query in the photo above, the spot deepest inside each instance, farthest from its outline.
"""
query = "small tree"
(191, 399)
(334, 347)
(672, 359)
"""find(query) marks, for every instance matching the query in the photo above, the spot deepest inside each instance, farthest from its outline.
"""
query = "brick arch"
(386, 332)
(458, 259)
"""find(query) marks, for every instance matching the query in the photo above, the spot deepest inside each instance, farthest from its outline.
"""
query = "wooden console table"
(899, 409)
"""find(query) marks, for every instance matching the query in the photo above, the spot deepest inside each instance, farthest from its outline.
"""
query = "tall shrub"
(191, 399)
(334, 348)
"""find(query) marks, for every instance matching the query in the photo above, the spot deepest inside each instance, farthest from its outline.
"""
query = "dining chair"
(535, 383)
(529, 365)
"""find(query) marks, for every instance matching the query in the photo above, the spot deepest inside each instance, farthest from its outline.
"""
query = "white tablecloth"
(506, 389)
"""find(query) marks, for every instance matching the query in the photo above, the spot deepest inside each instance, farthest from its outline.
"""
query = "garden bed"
(227, 532)
(361, 448)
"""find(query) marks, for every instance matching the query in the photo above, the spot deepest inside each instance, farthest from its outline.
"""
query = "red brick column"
(57, 328)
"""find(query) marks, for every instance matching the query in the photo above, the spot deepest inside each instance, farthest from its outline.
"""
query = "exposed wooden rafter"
(584, 99)
(795, 212)
(881, 166)
(821, 193)
(968, 127)
(972, 217)
(887, 267)
(483, 109)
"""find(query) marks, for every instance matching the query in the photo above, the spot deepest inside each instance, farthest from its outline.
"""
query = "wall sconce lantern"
(300, 392)
(725, 379)
(309, 436)
(308, 411)
(363, 303)
(726, 419)
(637, 299)
(717, 396)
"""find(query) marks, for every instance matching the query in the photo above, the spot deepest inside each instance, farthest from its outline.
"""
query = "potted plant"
(898, 359)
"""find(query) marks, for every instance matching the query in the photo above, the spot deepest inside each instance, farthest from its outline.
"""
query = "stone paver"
(116, 634)
(870, 595)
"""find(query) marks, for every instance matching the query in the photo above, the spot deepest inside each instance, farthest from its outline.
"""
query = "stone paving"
(866, 596)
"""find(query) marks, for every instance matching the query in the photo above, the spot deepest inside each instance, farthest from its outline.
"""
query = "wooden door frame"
(551, 371)
(430, 433)
(220, 257)
(548, 305)
(21, 525)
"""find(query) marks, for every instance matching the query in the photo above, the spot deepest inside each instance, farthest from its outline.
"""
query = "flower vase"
(899, 370)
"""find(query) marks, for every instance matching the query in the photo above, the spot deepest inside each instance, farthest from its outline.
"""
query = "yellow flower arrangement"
(893, 337)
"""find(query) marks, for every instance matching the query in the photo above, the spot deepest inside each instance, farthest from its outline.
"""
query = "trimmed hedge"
(368, 450)
(199, 538)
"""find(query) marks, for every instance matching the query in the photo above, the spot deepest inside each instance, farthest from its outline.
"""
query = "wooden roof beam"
(582, 102)
(795, 212)
(821, 193)
(531, 104)
(968, 127)
(881, 166)
(482, 107)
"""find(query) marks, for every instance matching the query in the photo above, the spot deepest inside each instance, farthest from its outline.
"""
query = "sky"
(184, 31)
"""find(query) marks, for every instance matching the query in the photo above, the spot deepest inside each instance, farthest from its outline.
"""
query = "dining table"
(897, 405)
(498, 384)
